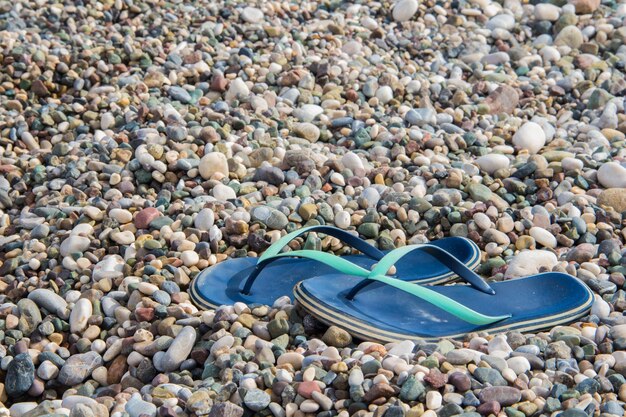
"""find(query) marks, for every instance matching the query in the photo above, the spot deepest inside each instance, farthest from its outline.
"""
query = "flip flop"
(395, 310)
(274, 274)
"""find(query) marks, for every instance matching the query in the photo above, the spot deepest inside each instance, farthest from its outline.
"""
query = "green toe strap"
(337, 262)
(354, 241)
(447, 304)
(441, 301)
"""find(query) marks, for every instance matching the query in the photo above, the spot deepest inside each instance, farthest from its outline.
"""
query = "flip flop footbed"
(386, 314)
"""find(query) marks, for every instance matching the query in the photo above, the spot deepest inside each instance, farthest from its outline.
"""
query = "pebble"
(178, 351)
(547, 11)
(252, 14)
(404, 10)
(612, 175)
(205, 219)
(78, 367)
(531, 137)
(136, 407)
(529, 262)
(80, 315)
(256, 400)
(134, 160)
(30, 316)
(49, 300)
(213, 163)
(614, 198)
(307, 131)
(543, 237)
(74, 244)
(223, 192)
(20, 375)
(493, 162)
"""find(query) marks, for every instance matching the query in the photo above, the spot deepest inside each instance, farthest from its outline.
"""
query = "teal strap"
(441, 301)
(442, 256)
(447, 304)
(336, 262)
(351, 240)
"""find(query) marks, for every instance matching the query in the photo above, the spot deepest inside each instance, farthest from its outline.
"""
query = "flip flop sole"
(557, 299)
(221, 284)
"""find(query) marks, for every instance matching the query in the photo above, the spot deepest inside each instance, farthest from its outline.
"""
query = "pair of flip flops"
(381, 296)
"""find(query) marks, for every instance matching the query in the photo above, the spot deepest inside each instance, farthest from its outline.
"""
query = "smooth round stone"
(492, 162)
(273, 218)
(47, 370)
(600, 307)
(614, 198)
(293, 358)
(612, 175)
(308, 112)
(529, 262)
(498, 346)
(109, 266)
(384, 94)
(404, 10)
(204, 219)
(352, 161)
(547, 11)
(337, 337)
(307, 131)
(460, 380)
(530, 136)
(52, 302)
(356, 377)
(212, 163)
(74, 244)
(550, 54)
(571, 164)
(570, 36)
(78, 367)
(342, 220)
(518, 364)
(189, 258)
(146, 216)
(80, 314)
(178, 351)
(252, 14)
(223, 192)
(225, 342)
(237, 88)
(501, 21)
(121, 216)
(30, 316)
(125, 237)
(309, 406)
(136, 407)
(371, 196)
(543, 237)
(433, 400)
(179, 94)
(482, 221)
(503, 395)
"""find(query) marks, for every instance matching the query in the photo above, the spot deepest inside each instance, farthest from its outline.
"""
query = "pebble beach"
(142, 142)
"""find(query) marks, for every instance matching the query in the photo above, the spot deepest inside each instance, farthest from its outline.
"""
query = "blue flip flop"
(274, 274)
(394, 310)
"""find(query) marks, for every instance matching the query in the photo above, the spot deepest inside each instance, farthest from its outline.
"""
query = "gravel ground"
(144, 141)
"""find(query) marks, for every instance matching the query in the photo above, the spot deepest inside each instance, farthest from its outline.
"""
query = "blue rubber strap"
(336, 262)
(357, 243)
(436, 252)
